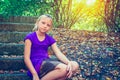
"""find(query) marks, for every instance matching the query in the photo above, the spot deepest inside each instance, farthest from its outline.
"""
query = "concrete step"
(19, 19)
(14, 49)
(24, 76)
(11, 49)
(14, 76)
(12, 37)
(12, 63)
(8, 26)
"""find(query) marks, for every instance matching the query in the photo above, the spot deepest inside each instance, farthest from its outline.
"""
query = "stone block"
(11, 49)
(12, 64)
(12, 37)
(16, 27)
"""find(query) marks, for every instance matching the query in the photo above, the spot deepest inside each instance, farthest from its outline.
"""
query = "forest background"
(91, 15)
(87, 31)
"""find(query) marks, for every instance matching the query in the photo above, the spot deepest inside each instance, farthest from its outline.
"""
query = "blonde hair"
(39, 18)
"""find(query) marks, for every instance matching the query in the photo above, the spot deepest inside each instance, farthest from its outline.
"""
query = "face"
(44, 25)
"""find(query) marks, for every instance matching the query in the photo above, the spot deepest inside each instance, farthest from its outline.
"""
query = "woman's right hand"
(35, 77)
(69, 69)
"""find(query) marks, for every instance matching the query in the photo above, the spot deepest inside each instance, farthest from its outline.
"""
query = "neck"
(40, 34)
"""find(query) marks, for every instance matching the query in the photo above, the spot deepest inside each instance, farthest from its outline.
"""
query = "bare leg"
(61, 79)
(75, 66)
(58, 73)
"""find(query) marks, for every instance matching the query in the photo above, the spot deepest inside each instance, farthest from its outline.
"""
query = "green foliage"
(70, 14)
(66, 13)
(24, 7)
(90, 24)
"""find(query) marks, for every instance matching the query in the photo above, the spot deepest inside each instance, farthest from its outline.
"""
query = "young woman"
(36, 58)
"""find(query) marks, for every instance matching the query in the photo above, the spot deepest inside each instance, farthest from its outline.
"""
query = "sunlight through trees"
(93, 15)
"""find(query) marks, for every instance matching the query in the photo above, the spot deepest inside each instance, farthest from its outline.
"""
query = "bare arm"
(59, 54)
(27, 60)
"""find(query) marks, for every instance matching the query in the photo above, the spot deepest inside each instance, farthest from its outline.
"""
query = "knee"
(62, 68)
(75, 66)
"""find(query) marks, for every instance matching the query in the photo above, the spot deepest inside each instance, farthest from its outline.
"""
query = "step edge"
(13, 23)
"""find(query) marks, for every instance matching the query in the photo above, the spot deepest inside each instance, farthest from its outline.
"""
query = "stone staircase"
(12, 32)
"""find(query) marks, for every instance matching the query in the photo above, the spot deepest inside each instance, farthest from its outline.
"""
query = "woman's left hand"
(69, 69)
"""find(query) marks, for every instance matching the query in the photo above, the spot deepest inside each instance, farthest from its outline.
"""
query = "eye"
(43, 22)
(48, 25)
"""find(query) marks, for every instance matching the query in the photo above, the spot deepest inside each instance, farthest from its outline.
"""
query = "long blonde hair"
(39, 18)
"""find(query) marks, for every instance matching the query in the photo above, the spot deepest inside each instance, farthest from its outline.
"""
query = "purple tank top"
(39, 49)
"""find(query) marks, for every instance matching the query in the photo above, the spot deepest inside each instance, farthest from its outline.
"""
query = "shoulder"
(30, 35)
(49, 36)
(50, 39)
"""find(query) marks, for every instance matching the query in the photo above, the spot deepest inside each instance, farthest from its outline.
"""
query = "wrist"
(34, 73)
(68, 62)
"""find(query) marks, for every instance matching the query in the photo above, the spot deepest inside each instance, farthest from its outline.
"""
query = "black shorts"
(47, 66)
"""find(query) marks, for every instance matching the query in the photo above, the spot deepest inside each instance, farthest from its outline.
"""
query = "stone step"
(14, 49)
(11, 49)
(12, 37)
(19, 19)
(12, 64)
(8, 26)
(24, 76)
(14, 76)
